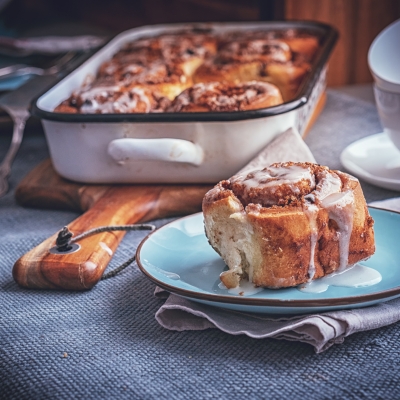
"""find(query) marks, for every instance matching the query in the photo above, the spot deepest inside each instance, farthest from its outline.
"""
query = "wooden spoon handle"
(82, 269)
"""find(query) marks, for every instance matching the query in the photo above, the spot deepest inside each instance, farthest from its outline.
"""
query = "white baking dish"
(170, 147)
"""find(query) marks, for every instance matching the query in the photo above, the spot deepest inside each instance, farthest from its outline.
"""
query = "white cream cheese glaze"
(356, 276)
(245, 288)
(340, 207)
(311, 211)
(276, 176)
(97, 100)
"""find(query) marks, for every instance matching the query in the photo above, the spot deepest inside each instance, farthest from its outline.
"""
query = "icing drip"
(340, 207)
(329, 184)
(311, 211)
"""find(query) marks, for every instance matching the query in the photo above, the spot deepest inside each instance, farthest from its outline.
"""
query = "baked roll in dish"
(167, 79)
(265, 51)
(185, 50)
(300, 42)
(287, 77)
(288, 224)
(243, 60)
(262, 60)
(103, 98)
(164, 63)
(225, 96)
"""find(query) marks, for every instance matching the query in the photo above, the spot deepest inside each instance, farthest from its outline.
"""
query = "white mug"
(388, 104)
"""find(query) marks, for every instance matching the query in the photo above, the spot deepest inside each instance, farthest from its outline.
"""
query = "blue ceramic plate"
(178, 258)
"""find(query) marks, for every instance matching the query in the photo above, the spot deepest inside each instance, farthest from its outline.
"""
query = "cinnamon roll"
(159, 76)
(287, 77)
(174, 46)
(224, 96)
(106, 99)
(300, 42)
(288, 224)
(182, 50)
(255, 50)
(262, 60)
(243, 60)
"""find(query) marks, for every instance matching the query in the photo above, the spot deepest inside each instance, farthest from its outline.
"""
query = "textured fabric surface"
(106, 343)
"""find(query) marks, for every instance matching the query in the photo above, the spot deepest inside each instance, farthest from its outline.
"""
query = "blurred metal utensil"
(23, 69)
(16, 104)
(21, 47)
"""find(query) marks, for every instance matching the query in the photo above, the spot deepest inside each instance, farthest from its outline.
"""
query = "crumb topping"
(216, 96)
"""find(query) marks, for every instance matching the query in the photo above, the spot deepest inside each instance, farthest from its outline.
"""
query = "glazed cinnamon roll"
(255, 50)
(300, 42)
(288, 224)
(224, 96)
(159, 76)
(109, 99)
(180, 45)
(262, 60)
(287, 77)
(182, 50)
(242, 60)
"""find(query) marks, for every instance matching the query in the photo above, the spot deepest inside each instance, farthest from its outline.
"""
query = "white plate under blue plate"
(178, 258)
(374, 159)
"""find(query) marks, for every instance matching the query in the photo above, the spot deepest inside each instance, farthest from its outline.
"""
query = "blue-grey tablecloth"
(105, 343)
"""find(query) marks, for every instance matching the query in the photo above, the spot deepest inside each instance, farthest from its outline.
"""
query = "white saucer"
(374, 159)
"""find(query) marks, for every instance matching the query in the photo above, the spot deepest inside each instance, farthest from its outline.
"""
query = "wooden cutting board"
(102, 205)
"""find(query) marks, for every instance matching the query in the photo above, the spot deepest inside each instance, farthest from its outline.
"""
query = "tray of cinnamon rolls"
(172, 103)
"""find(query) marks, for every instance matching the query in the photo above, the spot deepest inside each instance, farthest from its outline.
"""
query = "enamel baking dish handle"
(173, 150)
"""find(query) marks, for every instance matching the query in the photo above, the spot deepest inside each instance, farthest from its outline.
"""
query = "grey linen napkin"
(320, 330)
